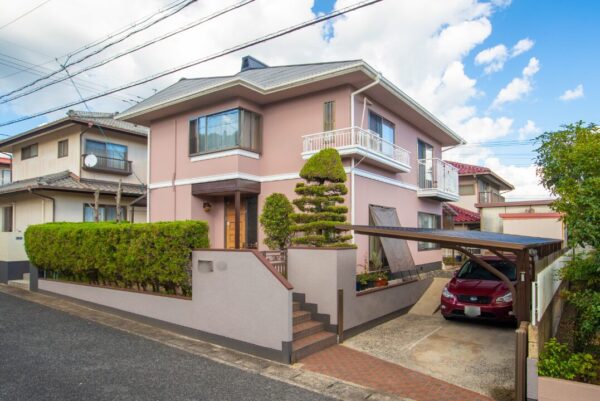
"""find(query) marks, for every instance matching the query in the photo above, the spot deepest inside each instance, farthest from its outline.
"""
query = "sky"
(498, 72)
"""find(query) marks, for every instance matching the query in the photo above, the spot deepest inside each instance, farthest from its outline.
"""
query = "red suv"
(474, 292)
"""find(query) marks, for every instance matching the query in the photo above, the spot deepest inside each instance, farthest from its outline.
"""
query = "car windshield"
(472, 271)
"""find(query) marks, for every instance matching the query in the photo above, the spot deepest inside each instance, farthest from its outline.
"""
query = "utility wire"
(126, 52)
(222, 53)
(95, 42)
(86, 56)
(22, 65)
(24, 14)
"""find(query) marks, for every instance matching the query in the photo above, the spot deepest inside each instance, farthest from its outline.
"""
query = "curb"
(290, 374)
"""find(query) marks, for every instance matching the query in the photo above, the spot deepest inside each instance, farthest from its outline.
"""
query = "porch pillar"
(238, 207)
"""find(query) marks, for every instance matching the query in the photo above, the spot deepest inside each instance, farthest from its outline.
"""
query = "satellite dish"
(90, 161)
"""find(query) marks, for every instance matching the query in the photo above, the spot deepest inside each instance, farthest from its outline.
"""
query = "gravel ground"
(49, 355)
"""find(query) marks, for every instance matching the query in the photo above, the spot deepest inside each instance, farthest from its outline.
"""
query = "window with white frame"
(428, 220)
(105, 213)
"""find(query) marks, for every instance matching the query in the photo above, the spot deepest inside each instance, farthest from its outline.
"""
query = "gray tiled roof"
(263, 78)
(67, 181)
(107, 120)
(104, 120)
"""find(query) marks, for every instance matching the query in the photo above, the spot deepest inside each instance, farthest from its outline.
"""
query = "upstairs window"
(329, 115)
(237, 128)
(63, 148)
(5, 178)
(7, 219)
(106, 149)
(28, 152)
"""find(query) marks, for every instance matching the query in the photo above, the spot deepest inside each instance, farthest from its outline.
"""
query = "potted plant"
(382, 279)
(361, 281)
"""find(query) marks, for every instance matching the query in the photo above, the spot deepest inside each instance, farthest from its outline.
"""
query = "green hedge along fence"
(152, 256)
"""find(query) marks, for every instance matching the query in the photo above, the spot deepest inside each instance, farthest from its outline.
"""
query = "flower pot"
(370, 284)
(382, 282)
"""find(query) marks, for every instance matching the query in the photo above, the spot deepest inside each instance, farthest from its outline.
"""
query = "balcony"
(438, 180)
(109, 165)
(360, 142)
(490, 197)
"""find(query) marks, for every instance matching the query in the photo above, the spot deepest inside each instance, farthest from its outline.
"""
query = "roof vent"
(250, 63)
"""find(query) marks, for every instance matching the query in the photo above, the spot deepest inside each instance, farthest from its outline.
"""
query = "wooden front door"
(230, 223)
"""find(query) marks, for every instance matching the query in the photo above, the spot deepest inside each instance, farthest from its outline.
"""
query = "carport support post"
(524, 284)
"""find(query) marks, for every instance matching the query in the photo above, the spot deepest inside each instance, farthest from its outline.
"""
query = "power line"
(24, 14)
(22, 65)
(85, 57)
(97, 41)
(126, 52)
(173, 70)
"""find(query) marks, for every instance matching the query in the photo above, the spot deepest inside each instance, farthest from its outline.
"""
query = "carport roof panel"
(483, 239)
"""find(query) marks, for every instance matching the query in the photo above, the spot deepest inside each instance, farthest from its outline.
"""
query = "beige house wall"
(136, 152)
(47, 161)
(535, 227)
(490, 216)
(467, 201)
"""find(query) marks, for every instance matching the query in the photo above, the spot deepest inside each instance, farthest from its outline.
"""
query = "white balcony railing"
(438, 179)
(348, 140)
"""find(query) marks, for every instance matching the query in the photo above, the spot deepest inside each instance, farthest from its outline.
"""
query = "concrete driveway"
(473, 355)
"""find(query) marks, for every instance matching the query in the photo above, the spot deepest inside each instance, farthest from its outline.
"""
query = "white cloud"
(521, 47)
(572, 94)
(528, 130)
(422, 49)
(523, 178)
(493, 57)
(518, 87)
(532, 68)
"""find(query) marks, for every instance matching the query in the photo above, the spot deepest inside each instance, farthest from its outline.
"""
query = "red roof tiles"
(464, 215)
(464, 168)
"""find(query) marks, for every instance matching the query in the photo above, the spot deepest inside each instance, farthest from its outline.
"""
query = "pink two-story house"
(219, 146)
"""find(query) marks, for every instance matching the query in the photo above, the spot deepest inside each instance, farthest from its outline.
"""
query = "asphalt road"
(49, 355)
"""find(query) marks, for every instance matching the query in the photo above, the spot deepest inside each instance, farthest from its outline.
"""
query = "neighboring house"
(5, 170)
(479, 185)
(54, 180)
(531, 217)
(218, 146)
(482, 206)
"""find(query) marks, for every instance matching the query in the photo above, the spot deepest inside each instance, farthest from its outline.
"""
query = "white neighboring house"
(54, 178)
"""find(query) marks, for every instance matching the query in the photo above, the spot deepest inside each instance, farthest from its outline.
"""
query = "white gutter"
(352, 175)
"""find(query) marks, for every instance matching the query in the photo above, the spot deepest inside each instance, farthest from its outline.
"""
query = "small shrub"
(583, 271)
(587, 324)
(144, 255)
(276, 221)
(559, 362)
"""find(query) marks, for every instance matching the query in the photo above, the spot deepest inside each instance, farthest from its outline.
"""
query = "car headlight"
(447, 294)
(504, 299)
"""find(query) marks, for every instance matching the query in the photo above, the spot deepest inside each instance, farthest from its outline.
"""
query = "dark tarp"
(396, 250)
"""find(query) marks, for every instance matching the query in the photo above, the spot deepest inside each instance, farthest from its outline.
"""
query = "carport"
(526, 250)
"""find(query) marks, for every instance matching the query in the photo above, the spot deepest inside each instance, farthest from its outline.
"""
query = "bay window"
(237, 128)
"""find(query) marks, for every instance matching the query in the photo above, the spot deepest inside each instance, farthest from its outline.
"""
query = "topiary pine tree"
(276, 221)
(320, 202)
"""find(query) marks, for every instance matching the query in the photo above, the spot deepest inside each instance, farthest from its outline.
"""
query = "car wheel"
(447, 317)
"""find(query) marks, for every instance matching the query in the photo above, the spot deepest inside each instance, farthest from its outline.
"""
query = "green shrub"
(276, 221)
(583, 271)
(559, 362)
(586, 333)
(155, 255)
(319, 202)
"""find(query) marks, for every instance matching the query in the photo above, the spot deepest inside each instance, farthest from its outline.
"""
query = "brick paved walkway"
(357, 367)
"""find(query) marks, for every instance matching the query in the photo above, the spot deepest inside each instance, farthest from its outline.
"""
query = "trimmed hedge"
(145, 255)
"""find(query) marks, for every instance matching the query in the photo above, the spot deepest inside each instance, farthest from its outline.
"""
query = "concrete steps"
(309, 335)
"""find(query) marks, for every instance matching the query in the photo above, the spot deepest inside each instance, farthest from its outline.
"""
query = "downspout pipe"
(352, 123)
(45, 197)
